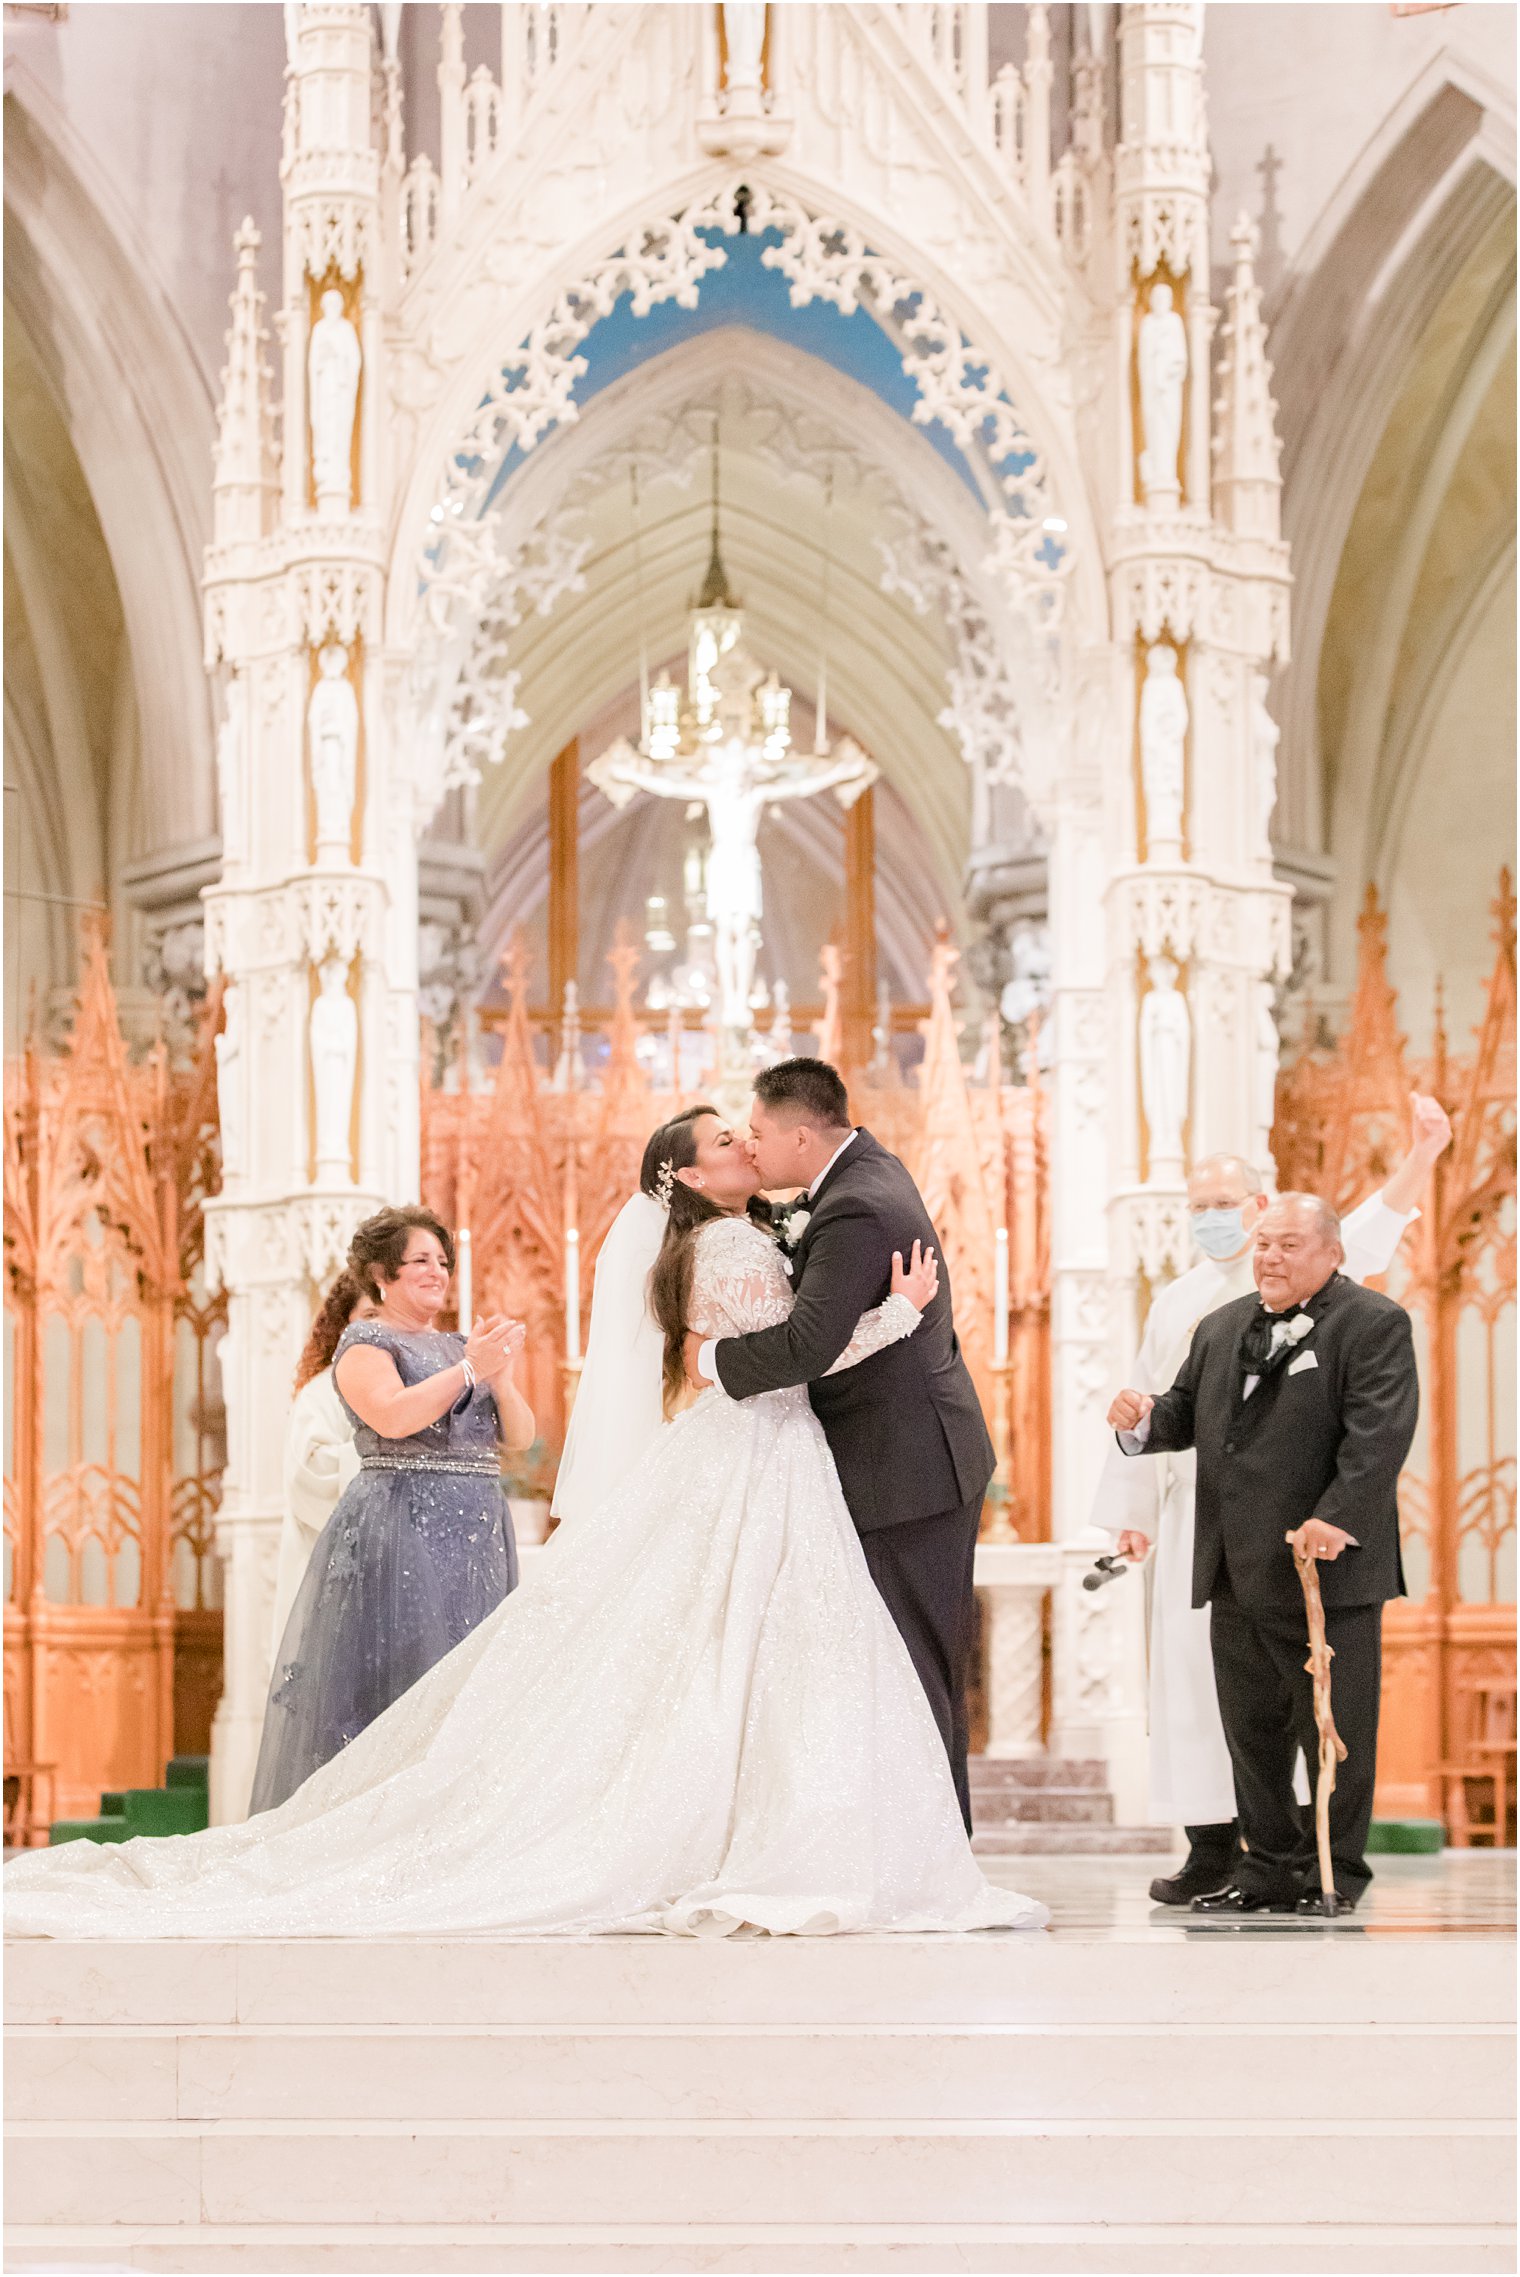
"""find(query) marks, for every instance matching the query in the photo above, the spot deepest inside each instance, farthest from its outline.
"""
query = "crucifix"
(727, 748)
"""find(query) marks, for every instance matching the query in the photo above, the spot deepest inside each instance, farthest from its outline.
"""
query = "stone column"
(1192, 912)
(1013, 1580)
(285, 580)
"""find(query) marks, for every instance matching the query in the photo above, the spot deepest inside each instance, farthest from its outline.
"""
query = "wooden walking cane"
(1332, 1748)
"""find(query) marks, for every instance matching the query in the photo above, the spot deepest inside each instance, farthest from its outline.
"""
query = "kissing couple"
(729, 1698)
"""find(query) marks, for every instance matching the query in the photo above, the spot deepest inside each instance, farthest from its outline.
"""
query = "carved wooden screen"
(112, 1603)
(1341, 1124)
(524, 1162)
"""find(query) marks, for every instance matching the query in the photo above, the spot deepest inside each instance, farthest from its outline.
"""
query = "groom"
(905, 1427)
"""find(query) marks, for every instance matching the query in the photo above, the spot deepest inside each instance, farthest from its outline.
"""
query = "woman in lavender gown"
(419, 1548)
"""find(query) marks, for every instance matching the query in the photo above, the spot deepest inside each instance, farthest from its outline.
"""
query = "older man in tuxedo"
(1301, 1402)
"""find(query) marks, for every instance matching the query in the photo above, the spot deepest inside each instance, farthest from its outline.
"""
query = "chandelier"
(728, 697)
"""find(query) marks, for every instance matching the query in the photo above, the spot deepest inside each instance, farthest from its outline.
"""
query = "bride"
(695, 1715)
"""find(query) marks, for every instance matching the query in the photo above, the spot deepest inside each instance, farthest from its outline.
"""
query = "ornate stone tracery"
(884, 171)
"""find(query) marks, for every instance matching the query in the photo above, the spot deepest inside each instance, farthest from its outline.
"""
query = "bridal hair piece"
(664, 1183)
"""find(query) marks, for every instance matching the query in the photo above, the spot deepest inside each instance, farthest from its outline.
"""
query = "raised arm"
(1373, 1230)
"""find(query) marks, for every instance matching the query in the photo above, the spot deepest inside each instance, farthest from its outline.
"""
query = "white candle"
(1000, 1298)
(572, 1293)
(464, 1279)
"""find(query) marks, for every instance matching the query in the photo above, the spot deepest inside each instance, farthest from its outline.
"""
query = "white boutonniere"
(1298, 1328)
(794, 1227)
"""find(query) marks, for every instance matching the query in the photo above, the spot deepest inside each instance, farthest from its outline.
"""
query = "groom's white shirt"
(848, 1140)
(706, 1365)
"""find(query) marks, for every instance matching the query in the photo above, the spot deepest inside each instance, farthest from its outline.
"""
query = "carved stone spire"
(1247, 485)
(1161, 164)
(246, 481)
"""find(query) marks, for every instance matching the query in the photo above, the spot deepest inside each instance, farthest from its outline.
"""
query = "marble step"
(866, 2072)
(919, 2250)
(1044, 1838)
(1298, 1976)
(757, 2172)
(992, 1773)
(1042, 1806)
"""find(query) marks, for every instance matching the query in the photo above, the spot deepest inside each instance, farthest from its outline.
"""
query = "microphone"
(1105, 1570)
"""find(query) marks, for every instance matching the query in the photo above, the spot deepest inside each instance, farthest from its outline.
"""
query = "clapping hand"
(918, 1281)
(1130, 1410)
(494, 1343)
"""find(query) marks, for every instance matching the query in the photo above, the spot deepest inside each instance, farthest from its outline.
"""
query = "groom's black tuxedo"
(1323, 1435)
(905, 1427)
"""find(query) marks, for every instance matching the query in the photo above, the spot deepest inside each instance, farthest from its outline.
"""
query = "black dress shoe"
(1198, 1878)
(1235, 1900)
(1314, 1904)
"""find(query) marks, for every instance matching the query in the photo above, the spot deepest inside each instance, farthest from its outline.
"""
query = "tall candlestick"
(1000, 1298)
(464, 1282)
(572, 1293)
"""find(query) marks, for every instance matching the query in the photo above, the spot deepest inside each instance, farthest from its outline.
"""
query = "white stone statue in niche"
(744, 37)
(1166, 1054)
(1163, 358)
(229, 1084)
(1265, 735)
(332, 730)
(334, 1032)
(333, 360)
(1163, 740)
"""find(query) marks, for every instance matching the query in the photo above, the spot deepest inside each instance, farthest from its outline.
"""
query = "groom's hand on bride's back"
(697, 1381)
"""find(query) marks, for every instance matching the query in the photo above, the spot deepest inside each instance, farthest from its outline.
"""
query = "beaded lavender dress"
(417, 1552)
(695, 1716)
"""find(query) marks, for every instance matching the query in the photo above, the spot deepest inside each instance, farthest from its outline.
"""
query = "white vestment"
(320, 1459)
(1191, 1783)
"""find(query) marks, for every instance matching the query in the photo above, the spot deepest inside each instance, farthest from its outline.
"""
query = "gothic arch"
(1035, 403)
(139, 417)
(1419, 202)
(914, 667)
(890, 650)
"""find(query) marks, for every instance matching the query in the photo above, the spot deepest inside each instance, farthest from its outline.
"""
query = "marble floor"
(1459, 1893)
(1130, 2091)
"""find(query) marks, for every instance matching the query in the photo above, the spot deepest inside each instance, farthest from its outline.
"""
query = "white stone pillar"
(1013, 1581)
(283, 580)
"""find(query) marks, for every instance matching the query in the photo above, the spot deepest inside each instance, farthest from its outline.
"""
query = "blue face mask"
(1220, 1234)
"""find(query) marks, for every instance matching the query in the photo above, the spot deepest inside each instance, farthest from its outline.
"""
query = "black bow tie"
(1257, 1354)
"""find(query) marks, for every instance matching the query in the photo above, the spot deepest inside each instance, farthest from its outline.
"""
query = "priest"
(1149, 1499)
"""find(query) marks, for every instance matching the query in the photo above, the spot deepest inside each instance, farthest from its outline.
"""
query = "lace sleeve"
(738, 1282)
(886, 1323)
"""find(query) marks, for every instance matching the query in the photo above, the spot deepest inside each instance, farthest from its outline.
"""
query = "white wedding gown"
(694, 1716)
